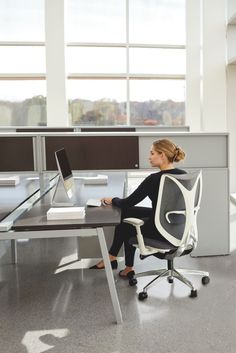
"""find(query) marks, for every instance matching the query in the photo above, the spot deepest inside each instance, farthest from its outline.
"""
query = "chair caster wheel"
(205, 280)
(193, 293)
(132, 282)
(142, 295)
(170, 280)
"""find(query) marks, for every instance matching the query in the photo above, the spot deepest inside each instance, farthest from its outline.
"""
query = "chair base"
(170, 274)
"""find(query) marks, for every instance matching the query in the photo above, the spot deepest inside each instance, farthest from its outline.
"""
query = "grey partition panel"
(213, 218)
(16, 154)
(202, 150)
(94, 152)
(158, 128)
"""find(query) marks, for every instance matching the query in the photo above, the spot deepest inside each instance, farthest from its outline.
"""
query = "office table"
(34, 224)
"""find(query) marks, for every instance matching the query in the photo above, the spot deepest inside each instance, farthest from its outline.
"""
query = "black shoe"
(129, 275)
(114, 265)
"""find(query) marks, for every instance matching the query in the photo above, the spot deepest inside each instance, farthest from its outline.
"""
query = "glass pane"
(157, 61)
(96, 21)
(157, 21)
(96, 60)
(22, 103)
(22, 20)
(157, 102)
(29, 59)
(97, 102)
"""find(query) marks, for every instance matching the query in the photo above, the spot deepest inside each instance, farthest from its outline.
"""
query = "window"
(98, 102)
(30, 59)
(21, 20)
(157, 21)
(22, 64)
(23, 102)
(99, 21)
(168, 109)
(126, 62)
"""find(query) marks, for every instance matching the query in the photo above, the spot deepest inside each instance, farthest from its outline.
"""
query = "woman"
(162, 155)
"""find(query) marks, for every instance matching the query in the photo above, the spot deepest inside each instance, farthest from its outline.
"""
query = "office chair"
(175, 218)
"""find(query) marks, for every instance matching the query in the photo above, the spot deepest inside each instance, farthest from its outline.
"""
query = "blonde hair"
(173, 152)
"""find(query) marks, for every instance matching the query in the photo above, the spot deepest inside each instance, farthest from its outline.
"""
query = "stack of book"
(55, 213)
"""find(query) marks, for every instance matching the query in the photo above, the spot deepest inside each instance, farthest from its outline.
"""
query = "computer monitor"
(66, 177)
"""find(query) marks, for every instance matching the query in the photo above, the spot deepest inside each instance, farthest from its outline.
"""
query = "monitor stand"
(61, 197)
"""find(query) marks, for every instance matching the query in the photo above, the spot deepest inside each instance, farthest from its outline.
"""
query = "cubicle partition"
(129, 151)
(16, 153)
(94, 152)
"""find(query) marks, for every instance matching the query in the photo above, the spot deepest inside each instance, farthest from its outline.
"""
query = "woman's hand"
(106, 201)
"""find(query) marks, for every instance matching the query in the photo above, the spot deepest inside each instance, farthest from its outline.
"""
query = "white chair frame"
(188, 240)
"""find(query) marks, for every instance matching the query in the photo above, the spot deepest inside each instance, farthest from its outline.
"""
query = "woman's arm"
(137, 196)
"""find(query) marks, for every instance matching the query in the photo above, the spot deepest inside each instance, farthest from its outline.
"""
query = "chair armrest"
(134, 221)
(137, 223)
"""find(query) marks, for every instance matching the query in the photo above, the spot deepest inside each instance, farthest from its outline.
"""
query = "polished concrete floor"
(48, 303)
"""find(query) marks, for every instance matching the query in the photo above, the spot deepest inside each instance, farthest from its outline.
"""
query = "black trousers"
(125, 231)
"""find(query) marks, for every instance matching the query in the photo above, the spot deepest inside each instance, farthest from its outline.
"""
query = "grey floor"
(48, 303)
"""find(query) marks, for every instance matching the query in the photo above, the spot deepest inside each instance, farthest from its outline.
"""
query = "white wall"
(213, 65)
(211, 84)
(231, 5)
(231, 93)
(205, 65)
(231, 120)
(193, 65)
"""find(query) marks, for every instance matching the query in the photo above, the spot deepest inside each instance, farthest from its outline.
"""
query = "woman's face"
(155, 158)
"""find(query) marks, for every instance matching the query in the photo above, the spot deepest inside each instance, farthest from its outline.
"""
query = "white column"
(231, 8)
(231, 92)
(193, 75)
(214, 65)
(57, 111)
(231, 113)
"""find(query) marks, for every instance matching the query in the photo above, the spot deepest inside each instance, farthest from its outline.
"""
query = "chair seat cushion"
(160, 244)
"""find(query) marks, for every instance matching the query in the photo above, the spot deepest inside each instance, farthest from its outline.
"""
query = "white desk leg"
(78, 252)
(14, 251)
(109, 274)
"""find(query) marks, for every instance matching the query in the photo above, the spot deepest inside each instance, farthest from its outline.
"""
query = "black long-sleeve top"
(148, 188)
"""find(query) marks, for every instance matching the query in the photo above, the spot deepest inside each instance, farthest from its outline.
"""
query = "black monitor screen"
(63, 162)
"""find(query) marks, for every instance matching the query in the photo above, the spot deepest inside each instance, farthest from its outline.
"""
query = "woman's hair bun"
(179, 154)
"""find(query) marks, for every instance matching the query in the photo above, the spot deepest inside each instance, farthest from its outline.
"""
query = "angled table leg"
(109, 274)
(14, 251)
